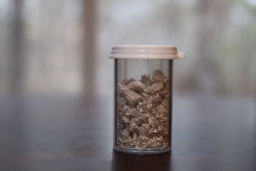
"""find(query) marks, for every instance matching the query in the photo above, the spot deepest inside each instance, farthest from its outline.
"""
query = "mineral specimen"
(142, 112)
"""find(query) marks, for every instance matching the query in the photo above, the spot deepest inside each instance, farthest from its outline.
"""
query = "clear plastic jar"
(143, 97)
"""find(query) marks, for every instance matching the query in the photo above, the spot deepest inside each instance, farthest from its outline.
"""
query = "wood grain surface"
(71, 133)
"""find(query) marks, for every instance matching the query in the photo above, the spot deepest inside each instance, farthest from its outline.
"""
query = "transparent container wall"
(143, 101)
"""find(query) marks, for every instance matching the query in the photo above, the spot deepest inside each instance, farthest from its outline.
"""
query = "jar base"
(142, 152)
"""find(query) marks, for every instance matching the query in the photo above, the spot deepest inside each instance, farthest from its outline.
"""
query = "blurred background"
(61, 47)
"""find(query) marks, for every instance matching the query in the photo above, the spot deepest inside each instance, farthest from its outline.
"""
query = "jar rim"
(146, 52)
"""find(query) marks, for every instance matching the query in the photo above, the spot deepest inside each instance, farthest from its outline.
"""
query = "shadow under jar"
(143, 97)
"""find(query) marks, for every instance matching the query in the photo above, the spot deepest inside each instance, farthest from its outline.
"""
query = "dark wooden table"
(71, 133)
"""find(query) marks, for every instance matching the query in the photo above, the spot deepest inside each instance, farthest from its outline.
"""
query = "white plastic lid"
(146, 52)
